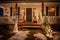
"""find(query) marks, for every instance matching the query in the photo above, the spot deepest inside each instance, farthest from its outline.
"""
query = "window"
(52, 11)
(1, 11)
(13, 11)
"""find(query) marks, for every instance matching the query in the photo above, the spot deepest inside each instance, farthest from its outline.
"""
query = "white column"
(16, 25)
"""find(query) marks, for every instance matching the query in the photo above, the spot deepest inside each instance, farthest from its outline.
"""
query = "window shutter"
(18, 12)
(10, 11)
(46, 11)
(57, 11)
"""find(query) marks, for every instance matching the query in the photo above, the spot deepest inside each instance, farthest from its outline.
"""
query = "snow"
(40, 36)
(22, 35)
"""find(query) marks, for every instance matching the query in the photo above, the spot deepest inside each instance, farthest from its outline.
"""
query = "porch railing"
(12, 19)
(6, 20)
(52, 19)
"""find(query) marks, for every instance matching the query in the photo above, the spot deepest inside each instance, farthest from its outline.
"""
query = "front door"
(29, 14)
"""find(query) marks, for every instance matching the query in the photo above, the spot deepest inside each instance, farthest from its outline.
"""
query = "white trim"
(1, 7)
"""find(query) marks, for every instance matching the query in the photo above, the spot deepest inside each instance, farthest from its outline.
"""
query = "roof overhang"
(27, 1)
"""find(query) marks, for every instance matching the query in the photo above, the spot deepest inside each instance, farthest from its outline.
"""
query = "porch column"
(42, 8)
(16, 20)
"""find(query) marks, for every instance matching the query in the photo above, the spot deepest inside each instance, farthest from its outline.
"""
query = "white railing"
(12, 19)
(6, 20)
(52, 19)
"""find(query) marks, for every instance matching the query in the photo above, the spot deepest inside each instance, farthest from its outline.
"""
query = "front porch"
(12, 19)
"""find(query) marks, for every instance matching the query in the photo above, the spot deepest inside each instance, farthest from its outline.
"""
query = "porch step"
(30, 26)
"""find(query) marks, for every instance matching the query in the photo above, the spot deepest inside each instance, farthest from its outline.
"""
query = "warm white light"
(51, 9)
(24, 3)
(23, 10)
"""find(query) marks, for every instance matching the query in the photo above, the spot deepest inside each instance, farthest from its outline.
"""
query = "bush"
(4, 29)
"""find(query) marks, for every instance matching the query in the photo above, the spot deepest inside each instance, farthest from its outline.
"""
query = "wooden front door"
(29, 14)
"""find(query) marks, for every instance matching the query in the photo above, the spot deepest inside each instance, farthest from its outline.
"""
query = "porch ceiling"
(27, 1)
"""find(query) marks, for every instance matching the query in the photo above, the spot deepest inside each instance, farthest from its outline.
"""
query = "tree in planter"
(46, 27)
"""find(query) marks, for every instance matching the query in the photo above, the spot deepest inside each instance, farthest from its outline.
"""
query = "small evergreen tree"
(46, 27)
